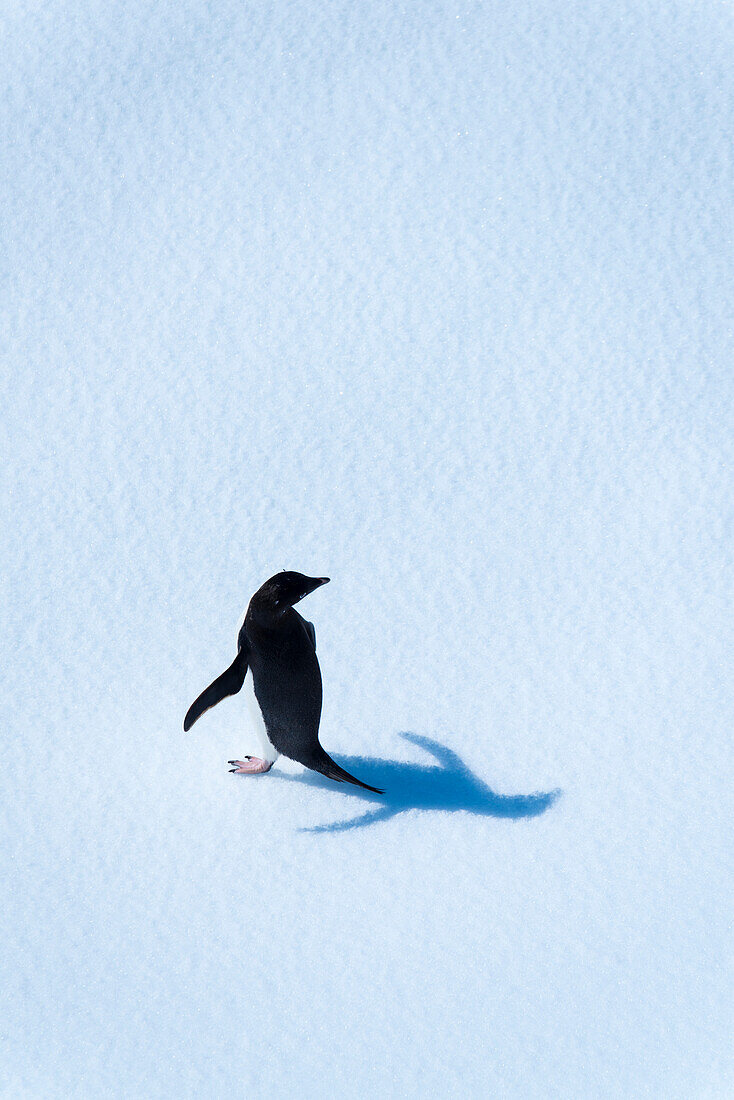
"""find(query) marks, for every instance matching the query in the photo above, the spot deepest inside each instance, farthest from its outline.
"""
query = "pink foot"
(251, 765)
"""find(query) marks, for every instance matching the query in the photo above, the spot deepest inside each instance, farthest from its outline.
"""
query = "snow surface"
(431, 299)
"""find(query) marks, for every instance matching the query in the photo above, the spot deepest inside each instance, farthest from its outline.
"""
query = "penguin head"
(284, 590)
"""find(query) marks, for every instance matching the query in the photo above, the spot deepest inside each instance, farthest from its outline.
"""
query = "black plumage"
(279, 646)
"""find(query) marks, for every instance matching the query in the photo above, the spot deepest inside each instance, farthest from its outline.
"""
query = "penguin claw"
(251, 765)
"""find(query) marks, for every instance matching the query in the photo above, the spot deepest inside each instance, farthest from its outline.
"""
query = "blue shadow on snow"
(450, 785)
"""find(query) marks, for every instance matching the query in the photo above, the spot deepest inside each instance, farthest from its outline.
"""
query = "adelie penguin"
(277, 664)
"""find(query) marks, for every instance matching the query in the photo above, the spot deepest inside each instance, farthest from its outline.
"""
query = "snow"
(432, 300)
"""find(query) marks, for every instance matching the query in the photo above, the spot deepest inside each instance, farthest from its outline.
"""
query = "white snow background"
(431, 299)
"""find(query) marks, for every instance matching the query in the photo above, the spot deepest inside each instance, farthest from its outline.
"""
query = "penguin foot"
(251, 765)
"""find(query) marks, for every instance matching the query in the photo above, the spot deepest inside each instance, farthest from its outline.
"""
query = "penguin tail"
(323, 763)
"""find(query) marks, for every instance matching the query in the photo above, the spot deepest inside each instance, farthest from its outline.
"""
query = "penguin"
(276, 662)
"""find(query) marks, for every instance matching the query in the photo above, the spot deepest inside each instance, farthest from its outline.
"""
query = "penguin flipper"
(310, 630)
(320, 761)
(229, 683)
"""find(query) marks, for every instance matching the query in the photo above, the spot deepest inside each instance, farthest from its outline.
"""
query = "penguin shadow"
(447, 785)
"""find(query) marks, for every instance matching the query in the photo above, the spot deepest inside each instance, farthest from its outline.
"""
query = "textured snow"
(431, 299)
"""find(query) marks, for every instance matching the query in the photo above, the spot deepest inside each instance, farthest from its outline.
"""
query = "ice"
(434, 300)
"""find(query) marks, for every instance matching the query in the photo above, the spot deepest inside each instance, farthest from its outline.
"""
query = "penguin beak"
(314, 583)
